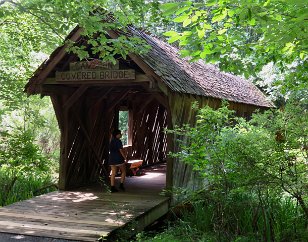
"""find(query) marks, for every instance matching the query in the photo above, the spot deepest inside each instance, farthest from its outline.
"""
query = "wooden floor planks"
(88, 213)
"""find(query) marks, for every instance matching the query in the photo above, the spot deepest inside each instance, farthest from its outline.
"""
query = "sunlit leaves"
(219, 16)
(268, 152)
(246, 34)
(169, 8)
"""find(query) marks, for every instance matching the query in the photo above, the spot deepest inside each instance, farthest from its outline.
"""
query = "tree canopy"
(240, 36)
(244, 36)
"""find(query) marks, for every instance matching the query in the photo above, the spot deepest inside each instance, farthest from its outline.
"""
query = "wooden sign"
(93, 65)
(95, 70)
(95, 75)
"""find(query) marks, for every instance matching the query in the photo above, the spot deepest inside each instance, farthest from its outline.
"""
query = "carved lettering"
(95, 75)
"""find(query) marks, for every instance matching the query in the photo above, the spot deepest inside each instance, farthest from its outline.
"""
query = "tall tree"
(243, 36)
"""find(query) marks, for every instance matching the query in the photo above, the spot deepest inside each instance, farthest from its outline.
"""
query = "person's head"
(117, 133)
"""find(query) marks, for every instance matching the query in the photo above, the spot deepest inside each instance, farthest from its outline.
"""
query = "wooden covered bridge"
(157, 89)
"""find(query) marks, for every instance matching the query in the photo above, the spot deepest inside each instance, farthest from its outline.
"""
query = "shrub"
(256, 173)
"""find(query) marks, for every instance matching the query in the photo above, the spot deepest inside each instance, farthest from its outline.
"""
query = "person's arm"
(123, 154)
(120, 147)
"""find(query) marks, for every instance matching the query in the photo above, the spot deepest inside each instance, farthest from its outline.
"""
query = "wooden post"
(130, 126)
(170, 148)
(64, 151)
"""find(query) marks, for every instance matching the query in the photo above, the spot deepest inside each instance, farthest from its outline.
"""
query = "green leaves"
(221, 15)
(181, 18)
(186, 22)
(169, 8)
(247, 35)
(236, 155)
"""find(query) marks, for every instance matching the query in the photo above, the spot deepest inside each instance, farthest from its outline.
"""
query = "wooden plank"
(56, 219)
(87, 213)
(47, 234)
(8, 224)
(163, 100)
(93, 65)
(145, 104)
(63, 182)
(130, 128)
(52, 232)
(78, 93)
(54, 224)
(51, 82)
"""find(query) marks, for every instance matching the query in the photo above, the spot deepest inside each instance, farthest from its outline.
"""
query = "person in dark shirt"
(117, 159)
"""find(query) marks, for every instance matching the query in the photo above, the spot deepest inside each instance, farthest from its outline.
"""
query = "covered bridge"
(157, 89)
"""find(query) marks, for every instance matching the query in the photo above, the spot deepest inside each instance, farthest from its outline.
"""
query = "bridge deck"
(87, 214)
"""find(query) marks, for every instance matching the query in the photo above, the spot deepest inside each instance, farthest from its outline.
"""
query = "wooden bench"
(133, 166)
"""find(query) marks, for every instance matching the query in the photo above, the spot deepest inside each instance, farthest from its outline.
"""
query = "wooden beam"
(146, 103)
(170, 148)
(98, 160)
(145, 67)
(63, 183)
(161, 100)
(55, 60)
(78, 93)
(57, 89)
(118, 99)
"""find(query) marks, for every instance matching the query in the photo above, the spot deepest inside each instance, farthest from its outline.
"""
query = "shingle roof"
(180, 75)
(198, 78)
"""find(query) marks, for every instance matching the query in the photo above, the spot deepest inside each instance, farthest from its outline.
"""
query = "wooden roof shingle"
(197, 77)
(177, 73)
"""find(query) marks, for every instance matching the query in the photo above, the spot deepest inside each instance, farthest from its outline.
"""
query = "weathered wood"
(94, 76)
(51, 90)
(86, 214)
(158, 92)
(145, 104)
(117, 99)
(130, 126)
(48, 218)
(50, 83)
(77, 94)
(91, 146)
(63, 150)
(93, 65)
(59, 54)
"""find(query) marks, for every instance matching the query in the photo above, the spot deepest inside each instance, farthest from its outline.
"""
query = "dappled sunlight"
(86, 197)
(90, 208)
(114, 221)
(119, 217)
(152, 175)
(73, 196)
(18, 237)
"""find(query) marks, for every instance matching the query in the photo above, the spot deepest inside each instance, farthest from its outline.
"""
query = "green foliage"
(94, 17)
(16, 187)
(23, 167)
(18, 150)
(243, 36)
(28, 134)
(28, 144)
(237, 219)
(123, 126)
(255, 172)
